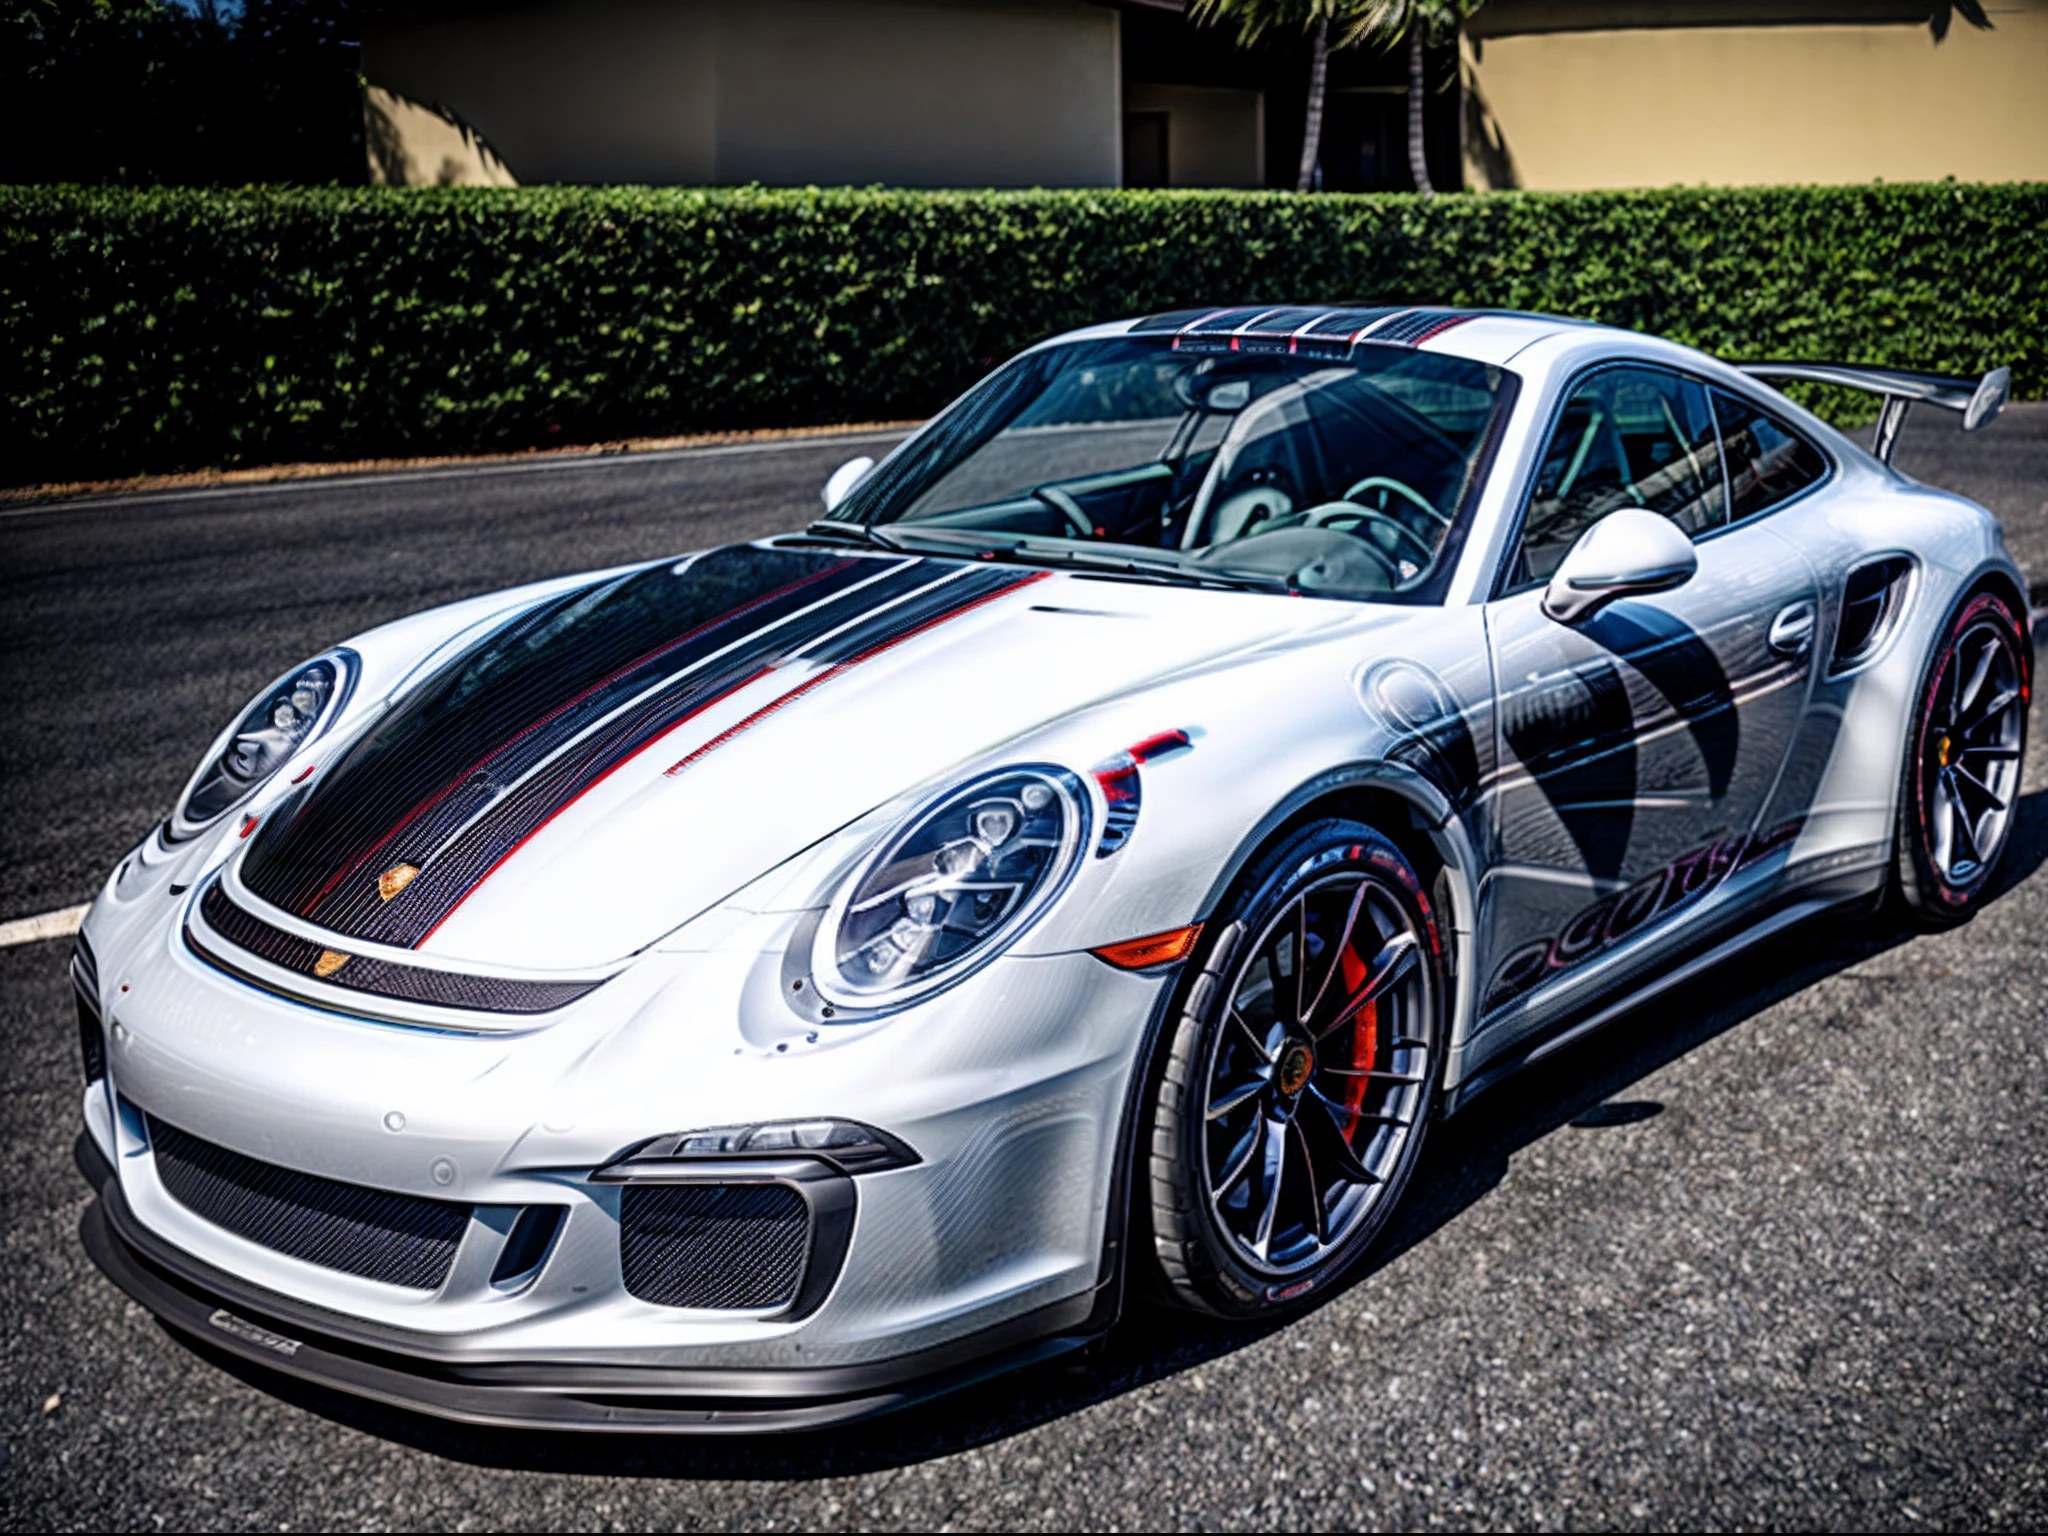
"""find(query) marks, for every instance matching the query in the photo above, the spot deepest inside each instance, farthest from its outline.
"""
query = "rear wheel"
(1964, 751)
(1302, 1075)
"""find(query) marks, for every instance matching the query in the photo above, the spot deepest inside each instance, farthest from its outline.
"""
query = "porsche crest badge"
(330, 961)
(396, 879)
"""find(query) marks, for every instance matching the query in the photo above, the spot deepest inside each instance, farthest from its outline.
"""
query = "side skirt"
(1545, 1043)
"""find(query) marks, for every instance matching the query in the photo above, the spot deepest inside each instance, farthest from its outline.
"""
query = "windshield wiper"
(1157, 570)
(1025, 553)
(854, 533)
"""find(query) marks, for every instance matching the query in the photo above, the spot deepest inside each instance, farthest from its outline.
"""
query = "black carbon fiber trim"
(720, 1246)
(85, 984)
(85, 966)
(398, 1239)
(1167, 323)
(1312, 322)
(359, 973)
(1343, 324)
(1418, 324)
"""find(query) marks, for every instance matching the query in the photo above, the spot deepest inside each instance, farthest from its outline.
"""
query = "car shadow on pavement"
(1466, 1158)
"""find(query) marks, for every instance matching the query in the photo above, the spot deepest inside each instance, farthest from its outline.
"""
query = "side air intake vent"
(92, 1036)
(713, 1245)
(1870, 601)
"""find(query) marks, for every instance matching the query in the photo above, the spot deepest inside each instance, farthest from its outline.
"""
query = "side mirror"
(1625, 554)
(845, 478)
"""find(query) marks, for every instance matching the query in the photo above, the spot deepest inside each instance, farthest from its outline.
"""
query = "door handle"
(1792, 630)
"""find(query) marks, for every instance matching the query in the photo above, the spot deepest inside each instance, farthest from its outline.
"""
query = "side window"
(1628, 437)
(1767, 460)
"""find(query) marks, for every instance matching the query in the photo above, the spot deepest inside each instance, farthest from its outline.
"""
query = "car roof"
(1485, 335)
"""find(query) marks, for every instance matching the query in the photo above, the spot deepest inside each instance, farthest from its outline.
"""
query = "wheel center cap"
(1296, 1063)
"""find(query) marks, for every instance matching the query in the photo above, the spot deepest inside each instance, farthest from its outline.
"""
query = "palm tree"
(1413, 22)
(1255, 18)
(1385, 22)
(1938, 16)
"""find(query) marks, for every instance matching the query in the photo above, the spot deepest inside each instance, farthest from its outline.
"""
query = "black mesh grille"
(713, 1245)
(85, 982)
(360, 973)
(399, 1239)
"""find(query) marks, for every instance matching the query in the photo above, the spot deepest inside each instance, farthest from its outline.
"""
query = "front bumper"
(276, 1333)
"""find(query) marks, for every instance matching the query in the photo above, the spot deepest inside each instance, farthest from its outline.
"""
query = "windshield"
(1344, 475)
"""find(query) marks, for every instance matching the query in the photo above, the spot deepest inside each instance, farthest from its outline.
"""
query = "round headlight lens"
(283, 718)
(948, 890)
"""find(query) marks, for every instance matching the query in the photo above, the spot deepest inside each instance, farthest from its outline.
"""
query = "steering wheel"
(1068, 508)
(1346, 512)
(1400, 488)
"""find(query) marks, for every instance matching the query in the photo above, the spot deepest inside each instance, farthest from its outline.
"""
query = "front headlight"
(281, 720)
(952, 887)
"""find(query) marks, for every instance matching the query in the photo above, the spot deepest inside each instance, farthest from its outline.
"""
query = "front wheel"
(1965, 746)
(1302, 1075)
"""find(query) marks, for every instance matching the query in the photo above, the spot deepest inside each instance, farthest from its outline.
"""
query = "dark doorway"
(1365, 142)
(1145, 149)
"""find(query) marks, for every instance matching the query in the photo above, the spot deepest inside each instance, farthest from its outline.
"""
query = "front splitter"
(275, 1333)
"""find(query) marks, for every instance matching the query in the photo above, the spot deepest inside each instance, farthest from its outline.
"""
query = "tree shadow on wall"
(1466, 1158)
(424, 144)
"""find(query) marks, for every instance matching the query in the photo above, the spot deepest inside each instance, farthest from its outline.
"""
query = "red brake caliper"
(1365, 1033)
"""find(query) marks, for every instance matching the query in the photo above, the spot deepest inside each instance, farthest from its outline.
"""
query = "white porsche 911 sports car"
(758, 988)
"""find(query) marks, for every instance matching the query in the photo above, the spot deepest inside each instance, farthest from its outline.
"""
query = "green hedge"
(161, 330)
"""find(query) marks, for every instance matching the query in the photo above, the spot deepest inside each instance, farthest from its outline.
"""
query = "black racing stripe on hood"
(519, 694)
(451, 867)
(933, 592)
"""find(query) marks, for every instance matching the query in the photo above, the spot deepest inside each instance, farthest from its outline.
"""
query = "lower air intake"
(398, 1239)
(722, 1246)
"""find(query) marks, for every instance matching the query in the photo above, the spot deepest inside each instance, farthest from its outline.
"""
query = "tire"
(1339, 1105)
(1966, 743)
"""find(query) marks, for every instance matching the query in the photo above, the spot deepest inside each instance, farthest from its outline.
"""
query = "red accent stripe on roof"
(1440, 327)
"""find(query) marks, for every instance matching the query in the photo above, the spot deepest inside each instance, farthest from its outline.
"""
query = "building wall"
(1657, 104)
(786, 92)
(1215, 135)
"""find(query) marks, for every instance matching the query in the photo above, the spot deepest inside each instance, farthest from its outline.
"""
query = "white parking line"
(51, 925)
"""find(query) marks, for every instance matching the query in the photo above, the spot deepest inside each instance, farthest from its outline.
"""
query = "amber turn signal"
(1158, 949)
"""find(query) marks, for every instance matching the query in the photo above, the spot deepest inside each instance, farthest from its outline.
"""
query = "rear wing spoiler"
(1979, 400)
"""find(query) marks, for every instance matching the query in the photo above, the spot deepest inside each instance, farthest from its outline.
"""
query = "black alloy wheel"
(1302, 1075)
(1965, 748)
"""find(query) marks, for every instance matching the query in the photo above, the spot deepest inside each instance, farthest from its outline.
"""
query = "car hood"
(615, 759)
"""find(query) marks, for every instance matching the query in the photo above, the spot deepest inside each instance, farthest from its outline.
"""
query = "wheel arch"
(2000, 581)
(1422, 822)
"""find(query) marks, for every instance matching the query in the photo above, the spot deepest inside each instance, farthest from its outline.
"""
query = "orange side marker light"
(1155, 949)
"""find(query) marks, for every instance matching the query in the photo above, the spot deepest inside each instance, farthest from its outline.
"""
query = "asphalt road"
(1773, 1253)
